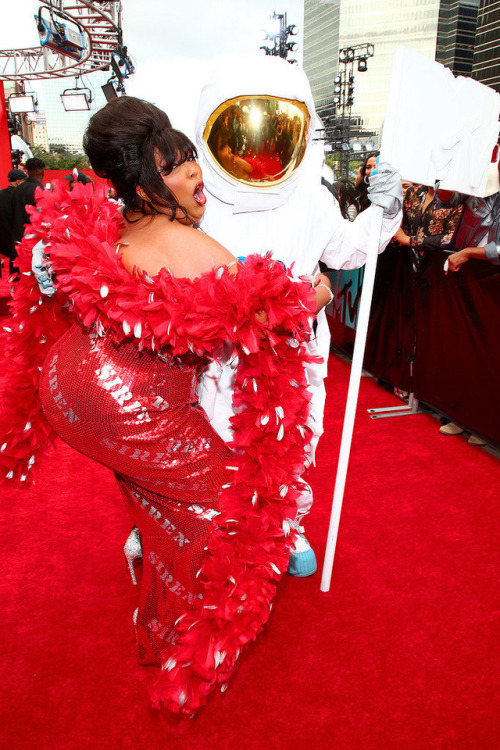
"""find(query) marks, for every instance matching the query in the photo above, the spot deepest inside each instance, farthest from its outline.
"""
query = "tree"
(59, 158)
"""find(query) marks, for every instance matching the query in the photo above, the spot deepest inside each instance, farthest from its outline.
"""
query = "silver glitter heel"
(132, 550)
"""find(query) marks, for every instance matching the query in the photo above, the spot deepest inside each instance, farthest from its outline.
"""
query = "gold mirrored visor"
(258, 140)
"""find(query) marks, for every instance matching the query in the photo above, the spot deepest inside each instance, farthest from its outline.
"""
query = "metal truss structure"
(100, 22)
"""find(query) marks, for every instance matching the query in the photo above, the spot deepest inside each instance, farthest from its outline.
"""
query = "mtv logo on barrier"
(437, 126)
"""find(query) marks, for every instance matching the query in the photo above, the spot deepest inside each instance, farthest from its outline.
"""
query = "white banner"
(438, 127)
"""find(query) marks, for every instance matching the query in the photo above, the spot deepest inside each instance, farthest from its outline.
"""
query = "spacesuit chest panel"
(293, 232)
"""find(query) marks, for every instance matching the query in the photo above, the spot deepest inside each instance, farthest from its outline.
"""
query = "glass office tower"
(321, 47)
(385, 24)
(456, 35)
(439, 29)
(486, 67)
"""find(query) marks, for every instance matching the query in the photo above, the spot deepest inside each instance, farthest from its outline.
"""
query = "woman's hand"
(323, 289)
(456, 260)
(402, 237)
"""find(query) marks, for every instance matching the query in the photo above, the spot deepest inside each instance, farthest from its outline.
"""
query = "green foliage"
(334, 162)
(354, 164)
(59, 158)
(331, 161)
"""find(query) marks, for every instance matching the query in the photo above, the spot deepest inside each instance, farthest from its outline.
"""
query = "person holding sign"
(287, 213)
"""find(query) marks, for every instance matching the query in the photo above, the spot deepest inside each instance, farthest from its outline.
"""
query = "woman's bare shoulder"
(185, 251)
(192, 252)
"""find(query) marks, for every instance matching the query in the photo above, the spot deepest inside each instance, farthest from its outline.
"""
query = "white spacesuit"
(262, 175)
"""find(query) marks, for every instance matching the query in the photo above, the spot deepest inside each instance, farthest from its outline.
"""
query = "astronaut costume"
(262, 175)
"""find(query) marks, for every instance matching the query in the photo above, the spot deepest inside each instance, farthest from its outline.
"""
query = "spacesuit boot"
(302, 559)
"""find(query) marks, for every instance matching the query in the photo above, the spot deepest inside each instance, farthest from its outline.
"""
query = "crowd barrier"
(59, 174)
(431, 334)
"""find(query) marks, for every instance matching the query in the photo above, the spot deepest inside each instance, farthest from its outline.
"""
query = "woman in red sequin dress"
(142, 298)
(138, 413)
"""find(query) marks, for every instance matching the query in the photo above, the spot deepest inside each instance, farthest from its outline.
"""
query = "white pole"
(352, 395)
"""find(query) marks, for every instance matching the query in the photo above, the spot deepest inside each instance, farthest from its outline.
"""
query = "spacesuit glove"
(385, 190)
(40, 269)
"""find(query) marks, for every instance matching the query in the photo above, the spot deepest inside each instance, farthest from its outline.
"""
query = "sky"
(170, 43)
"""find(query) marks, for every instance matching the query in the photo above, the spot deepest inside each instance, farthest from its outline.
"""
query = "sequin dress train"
(137, 414)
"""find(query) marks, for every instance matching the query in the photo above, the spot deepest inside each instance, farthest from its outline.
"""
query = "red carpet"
(401, 654)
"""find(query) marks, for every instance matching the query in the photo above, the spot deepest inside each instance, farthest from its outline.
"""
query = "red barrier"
(60, 174)
(431, 334)
(457, 362)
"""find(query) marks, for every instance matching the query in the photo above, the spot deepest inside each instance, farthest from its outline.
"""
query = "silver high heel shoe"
(133, 551)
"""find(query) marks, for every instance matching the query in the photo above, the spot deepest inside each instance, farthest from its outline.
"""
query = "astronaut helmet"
(258, 140)
(254, 125)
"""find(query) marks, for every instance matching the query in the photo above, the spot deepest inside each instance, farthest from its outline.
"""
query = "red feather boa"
(248, 550)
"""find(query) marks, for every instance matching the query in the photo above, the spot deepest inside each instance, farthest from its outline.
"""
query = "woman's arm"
(456, 260)
(440, 230)
(323, 289)
(490, 252)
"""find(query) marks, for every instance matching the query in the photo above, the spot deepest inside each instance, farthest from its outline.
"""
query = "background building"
(321, 47)
(444, 30)
(486, 67)
(456, 35)
(385, 24)
(39, 132)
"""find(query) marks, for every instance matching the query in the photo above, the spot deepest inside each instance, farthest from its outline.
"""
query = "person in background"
(347, 196)
(428, 223)
(478, 237)
(77, 176)
(362, 179)
(15, 178)
(405, 184)
(22, 196)
(490, 252)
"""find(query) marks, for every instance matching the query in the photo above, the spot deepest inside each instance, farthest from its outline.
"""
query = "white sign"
(438, 127)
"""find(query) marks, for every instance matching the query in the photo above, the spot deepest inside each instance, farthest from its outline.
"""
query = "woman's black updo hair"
(121, 142)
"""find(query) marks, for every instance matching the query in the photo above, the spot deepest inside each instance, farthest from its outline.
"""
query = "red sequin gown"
(114, 351)
(137, 413)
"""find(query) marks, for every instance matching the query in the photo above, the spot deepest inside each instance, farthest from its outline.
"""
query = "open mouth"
(199, 195)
